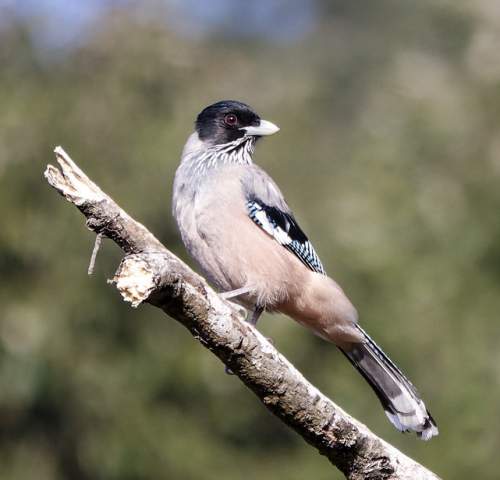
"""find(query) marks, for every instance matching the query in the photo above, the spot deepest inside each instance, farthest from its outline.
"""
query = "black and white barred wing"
(285, 230)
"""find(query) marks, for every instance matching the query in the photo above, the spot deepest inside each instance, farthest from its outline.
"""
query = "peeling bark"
(151, 273)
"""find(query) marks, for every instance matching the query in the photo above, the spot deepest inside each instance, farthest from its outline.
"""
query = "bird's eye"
(231, 120)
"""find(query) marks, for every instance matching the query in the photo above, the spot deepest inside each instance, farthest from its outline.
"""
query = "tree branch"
(151, 273)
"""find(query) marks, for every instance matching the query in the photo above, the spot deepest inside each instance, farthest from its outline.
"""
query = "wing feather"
(283, 227)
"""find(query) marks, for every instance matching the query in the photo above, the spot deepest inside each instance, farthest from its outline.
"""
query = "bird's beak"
(262, 129)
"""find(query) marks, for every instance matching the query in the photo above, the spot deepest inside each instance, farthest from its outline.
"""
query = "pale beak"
(262, 129)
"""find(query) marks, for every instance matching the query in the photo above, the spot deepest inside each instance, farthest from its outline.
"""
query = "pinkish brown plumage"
(235, 223)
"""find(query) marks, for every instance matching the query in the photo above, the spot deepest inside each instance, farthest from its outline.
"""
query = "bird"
(235, 223)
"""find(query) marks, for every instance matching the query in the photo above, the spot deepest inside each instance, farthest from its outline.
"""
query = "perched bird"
(236, 224)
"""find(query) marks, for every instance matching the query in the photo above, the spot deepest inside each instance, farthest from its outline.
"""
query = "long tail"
(400, 399)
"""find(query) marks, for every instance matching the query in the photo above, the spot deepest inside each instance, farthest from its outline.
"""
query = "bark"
(150, 273)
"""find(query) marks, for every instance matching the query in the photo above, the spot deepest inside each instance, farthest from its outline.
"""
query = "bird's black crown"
(222, 122)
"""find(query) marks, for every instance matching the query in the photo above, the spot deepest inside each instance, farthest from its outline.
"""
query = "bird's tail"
(400, 399)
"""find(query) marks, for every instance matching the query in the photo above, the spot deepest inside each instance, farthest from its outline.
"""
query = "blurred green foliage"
(389, 153)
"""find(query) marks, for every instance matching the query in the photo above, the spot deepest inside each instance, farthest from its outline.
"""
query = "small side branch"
(150, 273)
(97, 246)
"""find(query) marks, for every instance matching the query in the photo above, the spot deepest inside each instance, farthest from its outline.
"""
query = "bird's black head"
(228, 120)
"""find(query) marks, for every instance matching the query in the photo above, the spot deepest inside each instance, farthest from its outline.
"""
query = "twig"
(97, 245)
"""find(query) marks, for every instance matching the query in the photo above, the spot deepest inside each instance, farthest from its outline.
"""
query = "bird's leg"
(254, 315)
(236, 293)
(253, 318)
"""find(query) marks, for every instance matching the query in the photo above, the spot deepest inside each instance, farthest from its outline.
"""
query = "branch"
(151, 273)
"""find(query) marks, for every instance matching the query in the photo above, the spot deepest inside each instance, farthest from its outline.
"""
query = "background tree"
(388, 154)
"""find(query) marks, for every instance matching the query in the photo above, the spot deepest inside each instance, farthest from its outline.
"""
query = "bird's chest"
(207, 215)
(217, 205)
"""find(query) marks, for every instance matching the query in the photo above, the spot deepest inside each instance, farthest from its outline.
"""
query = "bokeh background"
(389, 153)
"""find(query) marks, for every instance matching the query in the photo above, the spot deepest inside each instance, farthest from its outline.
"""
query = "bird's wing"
(269, 210)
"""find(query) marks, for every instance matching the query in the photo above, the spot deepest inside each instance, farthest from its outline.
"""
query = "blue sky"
(61, 24)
